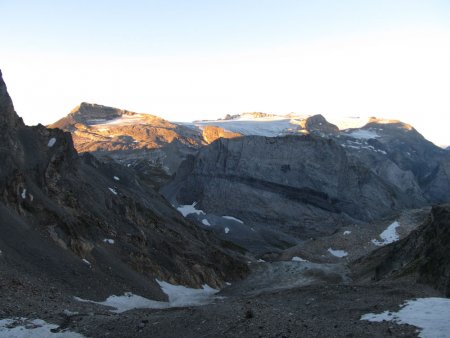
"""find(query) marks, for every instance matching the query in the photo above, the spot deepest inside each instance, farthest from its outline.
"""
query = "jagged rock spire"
(8, 116)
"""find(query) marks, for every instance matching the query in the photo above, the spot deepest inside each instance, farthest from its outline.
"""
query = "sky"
(188, 60)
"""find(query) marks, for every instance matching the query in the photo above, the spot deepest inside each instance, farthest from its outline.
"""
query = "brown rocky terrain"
(138, 140)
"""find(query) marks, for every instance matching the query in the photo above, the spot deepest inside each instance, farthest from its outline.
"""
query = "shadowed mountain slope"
(93, 228)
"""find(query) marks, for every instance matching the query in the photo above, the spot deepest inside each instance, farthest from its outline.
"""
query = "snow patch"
(113, 191)
(24, 193)
(338, 253)
(388, 236)
(233, 219)
(116, 178)
(205, 222)
(178, 295)
(261, 261)
(85, 261)
(51, 142)
(190, 209)
(363, 134)
(298, 259)
(227, 230)
(127, 302)
(430, 315)
(122, 120)
(108, 240)
(25, 328)
(347, 232)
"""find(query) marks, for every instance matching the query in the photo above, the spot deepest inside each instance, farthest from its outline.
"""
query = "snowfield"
(430, 315)
(178, 295)
(247, 124)
(388, 236)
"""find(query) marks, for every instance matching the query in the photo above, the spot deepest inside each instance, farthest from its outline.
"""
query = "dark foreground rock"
(423, 256)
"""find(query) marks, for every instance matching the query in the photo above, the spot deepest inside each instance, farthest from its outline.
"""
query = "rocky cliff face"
(423, 255)
(396, 151)
(302, 185)
(95, 228)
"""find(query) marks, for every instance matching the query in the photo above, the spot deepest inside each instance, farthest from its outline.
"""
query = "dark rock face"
(401, 154)
(58, 208)
(423, 255)
(318, 125)
(304, 184)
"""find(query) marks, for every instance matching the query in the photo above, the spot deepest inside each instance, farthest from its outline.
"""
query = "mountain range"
(291, 217)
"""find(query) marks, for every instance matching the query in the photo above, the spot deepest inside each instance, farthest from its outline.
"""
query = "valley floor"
(323, 309)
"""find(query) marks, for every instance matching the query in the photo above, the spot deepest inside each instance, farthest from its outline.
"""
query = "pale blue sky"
(194, 26)
(185, 60)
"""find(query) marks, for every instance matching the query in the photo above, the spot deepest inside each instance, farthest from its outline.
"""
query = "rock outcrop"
(318, 125)
(212, 133)
(423, 255)
(94, 228)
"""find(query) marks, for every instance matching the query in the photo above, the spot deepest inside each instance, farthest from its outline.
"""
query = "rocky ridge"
(422, 256)
(138, 140)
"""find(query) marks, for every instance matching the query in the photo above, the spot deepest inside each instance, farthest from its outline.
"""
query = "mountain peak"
(91, 113)
(97, 111)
